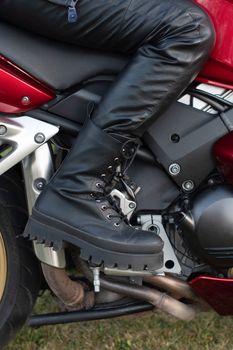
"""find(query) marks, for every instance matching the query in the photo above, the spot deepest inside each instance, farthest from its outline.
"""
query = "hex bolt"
(26, 100)
(174, 169)
(3, 130)
(39, 184)
(132, 205)
(154, 228)
(175, 138)
(39, 137)
(188, 185)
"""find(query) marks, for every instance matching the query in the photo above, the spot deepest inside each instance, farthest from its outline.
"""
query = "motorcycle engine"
(208, 226)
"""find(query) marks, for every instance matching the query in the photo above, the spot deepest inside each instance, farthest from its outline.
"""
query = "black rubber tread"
(51, 236)
(23, 280)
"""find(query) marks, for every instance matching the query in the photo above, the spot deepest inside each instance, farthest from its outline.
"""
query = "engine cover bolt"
(39, 138)
(3, 130)
(188, 185)
(26, 101)
(174, 169)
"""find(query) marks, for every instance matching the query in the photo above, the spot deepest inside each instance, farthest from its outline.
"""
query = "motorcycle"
(181, 188)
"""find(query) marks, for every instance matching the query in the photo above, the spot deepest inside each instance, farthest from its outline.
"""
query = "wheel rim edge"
(3, 267)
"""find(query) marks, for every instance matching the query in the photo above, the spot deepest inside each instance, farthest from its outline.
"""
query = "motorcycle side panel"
(157, 189)
(191, 148)
(219, 69)
(217, 292)
(19, 91)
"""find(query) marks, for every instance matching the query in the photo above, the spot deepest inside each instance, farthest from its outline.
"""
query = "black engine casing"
(208, 227)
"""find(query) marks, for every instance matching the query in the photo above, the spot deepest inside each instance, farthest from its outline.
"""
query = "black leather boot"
(76, 207)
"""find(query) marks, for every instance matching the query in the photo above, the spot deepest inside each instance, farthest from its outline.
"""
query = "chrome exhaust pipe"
(176, 287)
(160, 300)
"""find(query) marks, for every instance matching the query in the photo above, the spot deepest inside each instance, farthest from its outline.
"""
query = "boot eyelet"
(116, 224)
(116, 160)
(110, 167)
(104, 207)
(98, 200)
(103, 175)
(98, 185)
(92, 195)
(109, 216)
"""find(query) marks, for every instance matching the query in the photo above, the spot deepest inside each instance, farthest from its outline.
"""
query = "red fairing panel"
(219, 69)
(19, 92)
(217, 292)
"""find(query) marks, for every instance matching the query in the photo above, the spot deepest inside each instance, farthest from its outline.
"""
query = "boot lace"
(115, 178)
(110, 203)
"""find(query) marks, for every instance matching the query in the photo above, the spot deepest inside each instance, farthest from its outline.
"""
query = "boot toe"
(129, 240)
(140, 242)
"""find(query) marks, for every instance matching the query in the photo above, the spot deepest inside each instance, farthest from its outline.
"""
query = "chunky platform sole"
(46, 230)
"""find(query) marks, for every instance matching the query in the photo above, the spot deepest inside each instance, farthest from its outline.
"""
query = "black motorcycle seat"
(58, 65)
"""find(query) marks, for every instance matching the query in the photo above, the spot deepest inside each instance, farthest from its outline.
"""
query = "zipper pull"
(72, 12)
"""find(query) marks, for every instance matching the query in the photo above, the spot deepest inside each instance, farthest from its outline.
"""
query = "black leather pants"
(169, 41)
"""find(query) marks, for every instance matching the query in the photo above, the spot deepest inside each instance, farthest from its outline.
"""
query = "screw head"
(26, 100)
(39, 137)
(175, 138)
(154, 228)
(174, 169)
(3, 130)
(40, 184)
(132, 205)
(188, 185)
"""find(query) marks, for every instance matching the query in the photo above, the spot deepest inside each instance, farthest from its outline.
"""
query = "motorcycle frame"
(27, 139)
(37, 171)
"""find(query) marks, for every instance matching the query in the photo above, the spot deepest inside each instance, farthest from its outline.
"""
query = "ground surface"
(156, 332)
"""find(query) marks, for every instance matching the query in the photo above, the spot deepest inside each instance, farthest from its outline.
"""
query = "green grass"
(153, 332)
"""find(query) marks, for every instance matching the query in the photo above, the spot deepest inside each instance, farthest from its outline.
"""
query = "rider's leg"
(169, 41)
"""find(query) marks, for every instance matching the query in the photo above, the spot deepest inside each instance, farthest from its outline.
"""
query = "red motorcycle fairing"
(219, 69)
(217, 292)
(17, 84)
(19, 91)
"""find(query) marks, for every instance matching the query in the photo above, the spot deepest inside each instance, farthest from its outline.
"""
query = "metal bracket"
(27, 138)
(22, 135)
(171, 264)
(154, 223)
(127, 206)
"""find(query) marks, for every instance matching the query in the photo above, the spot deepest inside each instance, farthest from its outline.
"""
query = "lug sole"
(56, 238)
